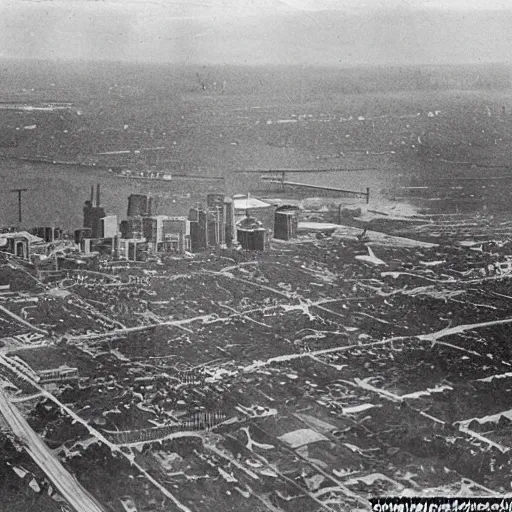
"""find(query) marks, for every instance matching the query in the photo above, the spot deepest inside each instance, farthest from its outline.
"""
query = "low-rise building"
(251, 234)
(247, 206)
(17, 244)
(132, 249)
(61, 374)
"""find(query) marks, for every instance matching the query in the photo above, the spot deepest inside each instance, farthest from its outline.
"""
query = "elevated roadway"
(79, 499)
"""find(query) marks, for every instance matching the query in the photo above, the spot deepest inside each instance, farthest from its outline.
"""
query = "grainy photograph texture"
(255, 256)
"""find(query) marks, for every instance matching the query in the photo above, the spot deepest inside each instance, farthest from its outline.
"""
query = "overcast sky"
(418, 4)
(258, 31)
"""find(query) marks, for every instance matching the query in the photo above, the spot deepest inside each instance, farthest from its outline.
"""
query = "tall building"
(109, 226)
(198, 230)
(286, 222)
(124, 228)
(176, 234)
(81, 234)
(216, 219)
(150, 229)
(251, 234)
(139, 205)
(93, 213)
(229, 219)
(135, 228)
(131, 249)
(215, 229)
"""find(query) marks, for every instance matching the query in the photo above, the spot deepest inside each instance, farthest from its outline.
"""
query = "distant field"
(420, 140)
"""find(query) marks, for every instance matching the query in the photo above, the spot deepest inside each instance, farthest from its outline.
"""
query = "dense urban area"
(306, 309)
(310, 371)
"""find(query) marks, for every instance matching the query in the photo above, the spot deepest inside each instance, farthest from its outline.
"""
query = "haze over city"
(296, 32)
(255, 256)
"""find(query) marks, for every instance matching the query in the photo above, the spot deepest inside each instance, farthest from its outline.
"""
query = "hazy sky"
(258, 31)
(417, 4)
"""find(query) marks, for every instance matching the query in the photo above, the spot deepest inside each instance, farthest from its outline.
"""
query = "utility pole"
(19, 191)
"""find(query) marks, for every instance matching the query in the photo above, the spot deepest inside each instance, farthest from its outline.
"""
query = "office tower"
(93, 213)
(229, 221)
(216, 219)
(139, 205)
(286, 223)
(109, 226)
(198, 230)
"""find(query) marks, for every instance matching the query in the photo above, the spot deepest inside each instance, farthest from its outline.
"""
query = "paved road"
(67, 485)
(21, 321)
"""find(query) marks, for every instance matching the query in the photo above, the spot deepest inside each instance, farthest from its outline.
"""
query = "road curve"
(67, 485)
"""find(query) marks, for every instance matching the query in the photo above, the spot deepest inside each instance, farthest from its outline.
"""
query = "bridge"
(280, 177)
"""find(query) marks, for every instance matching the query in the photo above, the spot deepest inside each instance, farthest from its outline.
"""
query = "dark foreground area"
(311, 377)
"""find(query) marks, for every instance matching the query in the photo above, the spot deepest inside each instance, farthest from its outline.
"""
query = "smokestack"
(98, 194)
(92, 195)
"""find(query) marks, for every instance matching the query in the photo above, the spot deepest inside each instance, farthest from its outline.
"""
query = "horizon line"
(345, 65)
